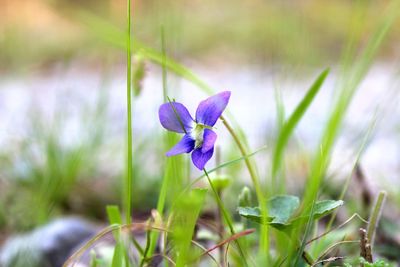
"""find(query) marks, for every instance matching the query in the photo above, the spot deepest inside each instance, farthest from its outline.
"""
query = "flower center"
(198, 133)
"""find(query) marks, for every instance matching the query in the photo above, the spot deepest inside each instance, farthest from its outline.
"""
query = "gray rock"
(47, 246)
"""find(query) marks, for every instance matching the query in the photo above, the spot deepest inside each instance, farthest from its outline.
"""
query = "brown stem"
(365, 247)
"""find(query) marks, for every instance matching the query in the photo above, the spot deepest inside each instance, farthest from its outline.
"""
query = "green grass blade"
(291, 123)
(128, 177)
(113, 214)
(118, 256)
(187, 211)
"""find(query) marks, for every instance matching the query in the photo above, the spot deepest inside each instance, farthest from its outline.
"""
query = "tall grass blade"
(128, 177)
(289, 126)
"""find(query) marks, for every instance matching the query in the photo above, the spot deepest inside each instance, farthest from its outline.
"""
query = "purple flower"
(199, 137)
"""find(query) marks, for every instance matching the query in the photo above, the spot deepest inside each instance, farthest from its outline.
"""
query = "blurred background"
(62, 97)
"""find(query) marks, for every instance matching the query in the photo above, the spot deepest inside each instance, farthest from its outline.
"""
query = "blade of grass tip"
(289, 126)
(114, 217)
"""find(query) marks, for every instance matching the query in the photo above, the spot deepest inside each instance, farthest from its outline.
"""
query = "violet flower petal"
(200, 159)
(169, 115)
(209, 138)
(210, 110)
(185, 145)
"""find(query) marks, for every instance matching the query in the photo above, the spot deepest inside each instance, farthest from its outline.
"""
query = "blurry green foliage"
(261, 31)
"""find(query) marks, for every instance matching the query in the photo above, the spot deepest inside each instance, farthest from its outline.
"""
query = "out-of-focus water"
(252, 105)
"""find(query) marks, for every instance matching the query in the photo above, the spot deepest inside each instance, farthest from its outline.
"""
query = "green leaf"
(321, 209)
(325, 207)
(280, 210)
(114, 215)
(251, 213)
(118, 256)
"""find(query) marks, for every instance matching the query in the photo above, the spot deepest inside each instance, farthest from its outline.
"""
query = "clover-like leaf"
(251, 213)
(280, 210)
(321, 209)
(324, 207)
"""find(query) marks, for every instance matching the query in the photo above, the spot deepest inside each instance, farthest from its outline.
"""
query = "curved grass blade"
(290, 125)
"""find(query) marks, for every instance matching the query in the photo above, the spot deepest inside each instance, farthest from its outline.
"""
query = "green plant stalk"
(128, 177)
(375, 216)
(264, 239)
(166, 180)
(225, 214)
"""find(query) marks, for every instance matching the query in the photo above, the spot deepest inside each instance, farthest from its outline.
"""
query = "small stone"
(47, 246)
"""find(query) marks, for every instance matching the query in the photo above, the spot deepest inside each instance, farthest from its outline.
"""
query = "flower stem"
(260, 196)
(225, 214)
(221, 229)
